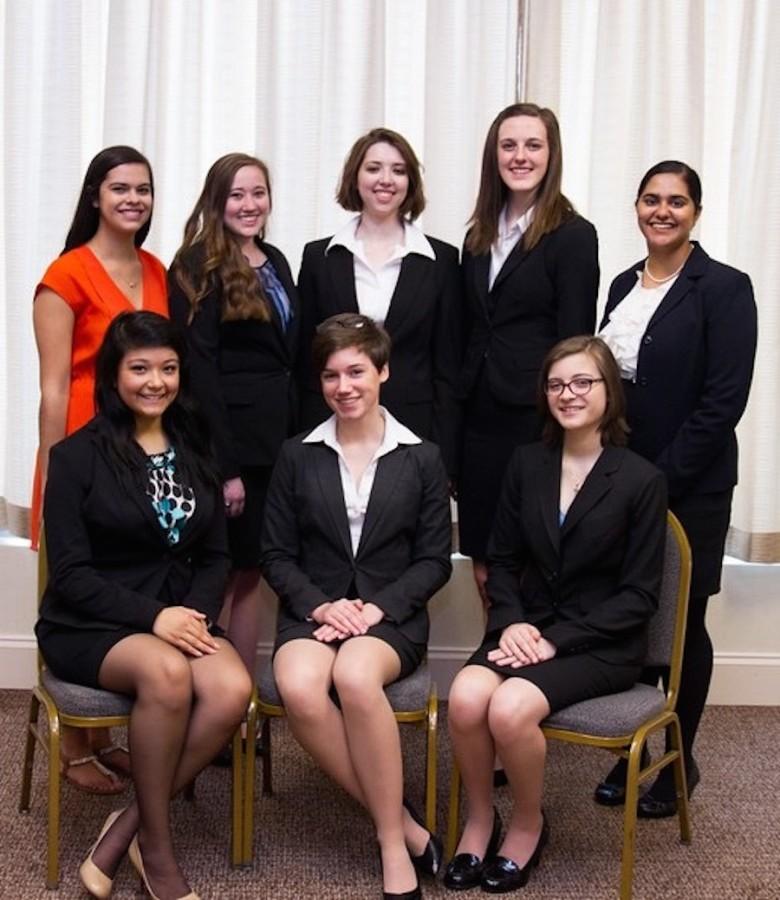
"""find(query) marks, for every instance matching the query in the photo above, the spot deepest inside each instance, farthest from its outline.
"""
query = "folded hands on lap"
(344, 618)
(521, 644)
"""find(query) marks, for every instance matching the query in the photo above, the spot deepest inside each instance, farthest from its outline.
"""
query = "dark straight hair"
(87, 215)
(674, 167)
(184, 426)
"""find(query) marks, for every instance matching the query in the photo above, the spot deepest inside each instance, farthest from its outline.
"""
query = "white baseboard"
(748, 679)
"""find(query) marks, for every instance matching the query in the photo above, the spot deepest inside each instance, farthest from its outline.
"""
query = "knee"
(167, 680)
(357, 689)
(304, 695)
(228, 692)
(466, 708)
(510, 722)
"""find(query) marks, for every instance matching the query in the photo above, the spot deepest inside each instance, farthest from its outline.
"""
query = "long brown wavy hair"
(552, 207)
(211, 253)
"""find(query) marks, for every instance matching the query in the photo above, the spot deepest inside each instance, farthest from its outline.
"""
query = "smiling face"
(125, 198)
(147, 381)
(382, 181)
(666, 213)
(350, 384)
(577, 412)
(248, 203)
(523, 154)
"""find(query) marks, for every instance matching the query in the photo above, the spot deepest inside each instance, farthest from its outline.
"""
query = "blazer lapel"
(481, 278)
(514, 259)
(413, 269)
(388, 472)
(550, 497)
(692, 270)
(330, 483)
(340, 264)
(597, 484)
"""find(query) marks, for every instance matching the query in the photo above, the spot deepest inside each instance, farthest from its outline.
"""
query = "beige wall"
(744, 621)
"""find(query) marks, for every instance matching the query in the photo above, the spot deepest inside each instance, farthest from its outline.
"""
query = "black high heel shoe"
(464, 870)
(414, 894)
(612, 790)
(504, 874)
(660, 802)
(429, 861)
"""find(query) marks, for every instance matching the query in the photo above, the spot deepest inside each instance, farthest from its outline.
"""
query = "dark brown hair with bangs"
(350, 330)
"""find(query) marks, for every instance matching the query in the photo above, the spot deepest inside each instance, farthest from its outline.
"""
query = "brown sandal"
(110, 757)
(67, 764)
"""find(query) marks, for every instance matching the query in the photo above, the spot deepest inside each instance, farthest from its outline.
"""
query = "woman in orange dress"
(101, 273)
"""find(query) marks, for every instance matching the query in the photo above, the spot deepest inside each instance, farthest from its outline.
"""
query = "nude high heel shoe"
(94, 879)
(134, 852)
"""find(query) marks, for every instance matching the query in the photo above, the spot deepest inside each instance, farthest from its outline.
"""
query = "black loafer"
(429, 861)
(504, 875)
(658, 803)
(464, 871)
(414, 894)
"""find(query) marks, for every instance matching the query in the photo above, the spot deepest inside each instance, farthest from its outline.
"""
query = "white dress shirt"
(628, 322)
(356, 496)
(374, 287)
(509, 235)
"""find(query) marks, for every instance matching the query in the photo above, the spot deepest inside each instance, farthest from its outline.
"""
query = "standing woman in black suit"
(683, 329)
(235, 295)
(380, 264)
(530, 277)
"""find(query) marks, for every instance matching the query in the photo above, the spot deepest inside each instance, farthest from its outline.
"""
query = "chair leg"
(431, 773)
(680, 781)
(248, 801)
(236, 800)
(453, 813)
(629, 820)
(29, 755)
(53, 825)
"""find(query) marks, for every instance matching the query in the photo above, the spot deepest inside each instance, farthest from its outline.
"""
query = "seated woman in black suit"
(574, 570)
(356, 540)
(135, 533)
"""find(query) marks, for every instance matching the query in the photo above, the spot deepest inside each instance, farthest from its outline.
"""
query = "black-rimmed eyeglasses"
(578, 386)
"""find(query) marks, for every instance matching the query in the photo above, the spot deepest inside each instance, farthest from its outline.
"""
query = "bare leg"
(176, 728)
(516, 709)
(480, 577)
(474, 749)
(242, 606)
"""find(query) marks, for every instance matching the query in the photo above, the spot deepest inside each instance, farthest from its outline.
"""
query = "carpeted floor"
(310, 842)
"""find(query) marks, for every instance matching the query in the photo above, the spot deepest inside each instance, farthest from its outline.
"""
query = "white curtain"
(637, 81)
(294, 81)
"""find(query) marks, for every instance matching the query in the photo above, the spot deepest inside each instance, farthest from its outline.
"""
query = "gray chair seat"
(78, 700)
(612, 715)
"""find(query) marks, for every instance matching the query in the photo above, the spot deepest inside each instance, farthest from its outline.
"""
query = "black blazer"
(110, 563)
(242, 371)
(539, 297)
(592, 583)
(404, 552)
(694, 371)
(424, 322)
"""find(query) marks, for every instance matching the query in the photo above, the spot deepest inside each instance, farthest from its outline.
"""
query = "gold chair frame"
(630, 746)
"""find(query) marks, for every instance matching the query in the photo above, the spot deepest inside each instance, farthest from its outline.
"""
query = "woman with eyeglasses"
(683, 330)
(574, 573)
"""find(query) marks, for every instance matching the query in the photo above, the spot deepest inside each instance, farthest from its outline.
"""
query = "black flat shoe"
(660, 802)
(612, 790)
(414, 894)
(465, 870)
(504, 875)
(429, 861)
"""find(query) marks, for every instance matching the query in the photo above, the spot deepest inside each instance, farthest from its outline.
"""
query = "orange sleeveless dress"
(80, 280)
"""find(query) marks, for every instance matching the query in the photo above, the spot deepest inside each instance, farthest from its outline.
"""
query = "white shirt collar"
(395, 435)
(414, 241)
(521, 224)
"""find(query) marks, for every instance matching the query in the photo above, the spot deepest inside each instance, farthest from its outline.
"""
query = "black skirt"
(705, 518)
(244, 530)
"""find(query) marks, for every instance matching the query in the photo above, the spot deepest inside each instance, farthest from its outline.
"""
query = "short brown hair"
(350, 330)
(347, 194)
(614, 428)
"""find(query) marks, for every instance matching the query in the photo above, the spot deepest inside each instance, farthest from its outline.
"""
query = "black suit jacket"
(539, 297)
(110, 563)
(241, 371)
(592, 583)
(424, 322)
(404, 552)
(694, 371)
